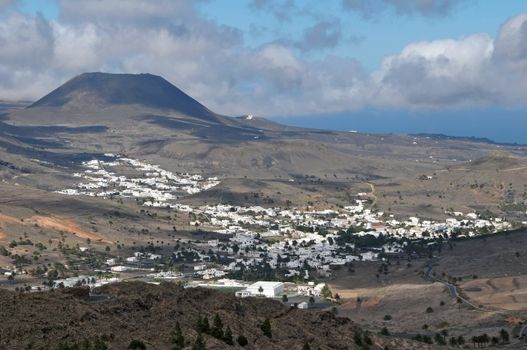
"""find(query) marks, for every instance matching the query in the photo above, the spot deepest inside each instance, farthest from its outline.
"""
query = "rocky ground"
(149, 313)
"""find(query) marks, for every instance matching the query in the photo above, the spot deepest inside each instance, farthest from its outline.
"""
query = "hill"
(149, 313)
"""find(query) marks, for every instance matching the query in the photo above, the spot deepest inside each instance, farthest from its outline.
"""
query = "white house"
(303, 305)
(268, 289)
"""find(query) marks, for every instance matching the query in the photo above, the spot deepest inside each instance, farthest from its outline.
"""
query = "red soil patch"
(9, 220)
(65, 225)
(2, 235)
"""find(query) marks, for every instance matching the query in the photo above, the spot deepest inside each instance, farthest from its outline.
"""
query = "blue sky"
(372, 65)
(470, 17)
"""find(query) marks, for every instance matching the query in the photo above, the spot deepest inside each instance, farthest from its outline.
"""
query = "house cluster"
(83, 280)
(297, 242)
(150, 184)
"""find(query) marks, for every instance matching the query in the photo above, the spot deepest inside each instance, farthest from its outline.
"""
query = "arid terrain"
(138, 311)
(46, 149)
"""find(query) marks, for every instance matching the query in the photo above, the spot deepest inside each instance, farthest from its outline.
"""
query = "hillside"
(145, 117)
(149, 313)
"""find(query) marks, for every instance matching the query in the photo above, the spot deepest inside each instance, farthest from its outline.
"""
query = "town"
(257, 251)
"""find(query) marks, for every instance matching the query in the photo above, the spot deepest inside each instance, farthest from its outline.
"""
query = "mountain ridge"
(100, 91)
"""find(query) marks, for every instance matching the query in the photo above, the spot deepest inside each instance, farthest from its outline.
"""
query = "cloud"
(322, 35)
(283, 10)
(212, 62)
(5, 3)
(402, 7)
(472, 71)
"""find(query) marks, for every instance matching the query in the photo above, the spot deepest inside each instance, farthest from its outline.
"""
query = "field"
(491, 274)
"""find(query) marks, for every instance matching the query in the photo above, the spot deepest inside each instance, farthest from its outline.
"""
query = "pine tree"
(199, 344)
(178, 340)
(266, 328)
(504, 335)
(217, 328)
(227, 337)
(202, 325)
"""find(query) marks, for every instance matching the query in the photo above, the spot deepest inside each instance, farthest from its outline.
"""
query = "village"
(268, 252)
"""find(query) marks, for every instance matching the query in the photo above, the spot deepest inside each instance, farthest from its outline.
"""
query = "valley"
(113, 180)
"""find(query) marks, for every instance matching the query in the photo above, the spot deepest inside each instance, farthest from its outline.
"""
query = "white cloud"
(212, 63)
(476, 70)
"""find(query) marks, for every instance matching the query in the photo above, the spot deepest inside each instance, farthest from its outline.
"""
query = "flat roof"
(266, 284)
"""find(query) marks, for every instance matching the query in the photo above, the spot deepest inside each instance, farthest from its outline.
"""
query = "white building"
(268, 289)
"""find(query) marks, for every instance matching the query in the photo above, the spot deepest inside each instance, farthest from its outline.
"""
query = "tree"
(227, 337)
(284, 298)
(357, 338)
(461, 340)
(494, 341)
(199, 344)
(385, 331)
(178, 341)
(306, 346)
(217, 328)
(242, 340)
(429, 310)
(260, 290)
(453, 341)
(504, 336)
(439, 339)
(266, 328)
(136, 345)
(202, 325)
(326, 292)
(99, 344)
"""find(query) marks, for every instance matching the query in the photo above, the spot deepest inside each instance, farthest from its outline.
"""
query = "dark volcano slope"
(149, 313)
(105, 89)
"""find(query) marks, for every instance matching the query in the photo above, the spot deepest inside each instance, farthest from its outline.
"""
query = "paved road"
(452, 290)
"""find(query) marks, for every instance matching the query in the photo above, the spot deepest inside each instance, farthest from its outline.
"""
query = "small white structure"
(119, 268)
(268, 289)
(242, 293)
(303, 305)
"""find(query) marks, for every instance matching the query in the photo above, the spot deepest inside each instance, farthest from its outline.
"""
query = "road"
(452, 290)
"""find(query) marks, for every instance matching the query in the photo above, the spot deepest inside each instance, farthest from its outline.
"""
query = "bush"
(136, 345)
(266, 328)
(242, 340)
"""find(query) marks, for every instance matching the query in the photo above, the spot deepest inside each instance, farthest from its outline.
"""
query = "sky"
(442, 66)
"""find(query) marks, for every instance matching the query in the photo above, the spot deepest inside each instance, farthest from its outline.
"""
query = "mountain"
(100, 91)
